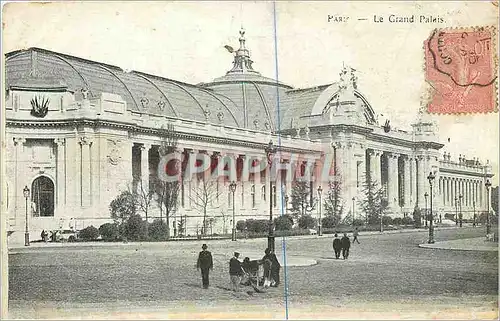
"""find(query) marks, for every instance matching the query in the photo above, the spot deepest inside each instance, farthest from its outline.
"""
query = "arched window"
(263, 192)
(42, 196)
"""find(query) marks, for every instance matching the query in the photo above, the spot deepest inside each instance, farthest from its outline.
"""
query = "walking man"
(235, 272)
(355, 235)
(346, 244)
(205, 264)
(337, 246)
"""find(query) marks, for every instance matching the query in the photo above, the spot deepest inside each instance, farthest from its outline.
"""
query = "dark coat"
(235, 267)
(337, 244)
(205, 260)
(346, 242)
(275, 264)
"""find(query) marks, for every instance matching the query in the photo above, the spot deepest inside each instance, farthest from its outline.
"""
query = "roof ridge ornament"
(242, 62)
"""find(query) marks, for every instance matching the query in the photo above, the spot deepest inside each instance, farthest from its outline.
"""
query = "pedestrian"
(235, 272)
(337, 246)
(355, 235)
(205, 264)
(346, 244)
(275, 267)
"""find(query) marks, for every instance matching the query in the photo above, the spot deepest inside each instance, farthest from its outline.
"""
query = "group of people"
(240, 272)
(54, 236)
(342, 245)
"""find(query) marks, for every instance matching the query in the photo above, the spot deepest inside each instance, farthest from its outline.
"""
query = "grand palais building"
(78, 132)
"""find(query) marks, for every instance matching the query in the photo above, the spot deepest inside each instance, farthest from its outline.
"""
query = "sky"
(185, 41)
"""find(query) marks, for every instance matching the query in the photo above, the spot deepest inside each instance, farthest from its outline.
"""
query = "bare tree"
(203, 195)
(143, 196)
(225, 217)
(168, 191)
(300, 203)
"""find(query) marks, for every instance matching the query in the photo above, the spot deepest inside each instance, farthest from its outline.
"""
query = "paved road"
(383, 268)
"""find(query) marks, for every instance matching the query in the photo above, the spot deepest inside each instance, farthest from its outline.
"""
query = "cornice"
(464, 172)
(135, 129)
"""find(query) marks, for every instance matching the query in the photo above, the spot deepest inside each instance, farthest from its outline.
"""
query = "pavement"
(469, 244)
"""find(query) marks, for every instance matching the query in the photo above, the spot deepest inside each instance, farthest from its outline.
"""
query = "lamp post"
(488, 226)
(270, 149)
(353, 210)
(474, 211)
(286, 203)
(320, 190)
(456, 210)
(460, 197)
(426, 195)
(431, 178)
(232, 188)
(26, 192)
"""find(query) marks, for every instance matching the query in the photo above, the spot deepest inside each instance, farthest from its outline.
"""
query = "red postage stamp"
(461, 69)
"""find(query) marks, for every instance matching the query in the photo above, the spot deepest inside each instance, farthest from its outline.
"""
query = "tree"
(333, 205)
(300, 202)
(123, 207)
(181, 226)
(143, 196)
(168, 191)
(134, 228)
(373, 202)
(283, 222)
(225, 217)
(307, 221)
(158, 230)
(494, 199)
(205, 192)
(417, 216)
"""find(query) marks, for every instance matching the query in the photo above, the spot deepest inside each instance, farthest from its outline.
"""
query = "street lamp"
(488, 226)
(286, 203)
(460, 197)
(270, 150)
(474, 209)
(26, 192)
(232, 188)
(320, 189)
(426, 195)
(353, 210)
(431, 178)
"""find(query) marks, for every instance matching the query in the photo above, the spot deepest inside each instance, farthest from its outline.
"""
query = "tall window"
(42, 196)
(263, 192)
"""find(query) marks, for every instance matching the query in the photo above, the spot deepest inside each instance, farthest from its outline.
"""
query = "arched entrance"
(42, 196)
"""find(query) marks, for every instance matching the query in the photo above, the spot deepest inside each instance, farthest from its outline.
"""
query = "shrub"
(123, 206)
(134, 229)
(158, 230)
(109, 232)
(397, 221)
(307, 222)
(283, 222)
(386, 220)
(417, 217)
(328, 222)
(358, 222)
(407, 220)
(240, 225)
(89, 233)
(257, 226)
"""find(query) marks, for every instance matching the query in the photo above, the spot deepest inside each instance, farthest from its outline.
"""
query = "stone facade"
(101, 134)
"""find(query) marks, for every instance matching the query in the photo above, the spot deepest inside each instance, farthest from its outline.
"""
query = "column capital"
(145, 146)
(60, 141)
(85, 140)
(19, 140)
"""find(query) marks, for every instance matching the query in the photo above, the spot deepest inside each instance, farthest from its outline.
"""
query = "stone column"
(407, 183)
(85, 190)
(392, 162)
(372, 164)
(420, 181)
(60, 172)
(18, 188)
(145, 164)
(413, 181)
